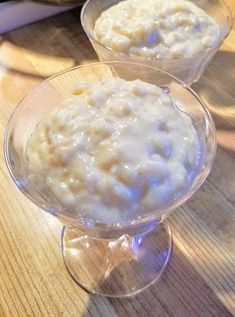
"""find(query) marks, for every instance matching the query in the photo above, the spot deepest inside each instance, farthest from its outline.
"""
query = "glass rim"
(91, 37)
(147, 217)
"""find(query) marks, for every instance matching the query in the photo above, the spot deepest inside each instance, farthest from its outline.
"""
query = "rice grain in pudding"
(114, 151)
(157, 29)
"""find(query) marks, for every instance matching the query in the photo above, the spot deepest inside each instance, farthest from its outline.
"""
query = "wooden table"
(200, 278)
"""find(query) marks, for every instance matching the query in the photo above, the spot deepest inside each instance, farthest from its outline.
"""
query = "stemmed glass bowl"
(187, 69)
(112, 259)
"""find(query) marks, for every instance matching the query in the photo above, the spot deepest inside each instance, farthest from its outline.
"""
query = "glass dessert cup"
(188, 70)
(111, 259)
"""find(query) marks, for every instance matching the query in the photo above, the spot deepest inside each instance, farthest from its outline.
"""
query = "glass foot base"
(120, 267)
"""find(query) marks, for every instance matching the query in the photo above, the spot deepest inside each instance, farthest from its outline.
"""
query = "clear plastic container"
(188, 70)
(112, 259)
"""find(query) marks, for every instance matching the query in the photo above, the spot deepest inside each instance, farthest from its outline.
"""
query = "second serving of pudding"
(114, 151)
(157, 29)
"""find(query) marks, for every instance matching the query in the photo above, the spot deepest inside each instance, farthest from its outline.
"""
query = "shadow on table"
(217, 88)
(47, 47)
(180, 292)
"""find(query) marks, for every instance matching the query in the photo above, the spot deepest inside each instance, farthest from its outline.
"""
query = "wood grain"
(200, 279)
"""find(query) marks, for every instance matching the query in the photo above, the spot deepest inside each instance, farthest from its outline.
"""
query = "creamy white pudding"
(114, 151)
(157, 29)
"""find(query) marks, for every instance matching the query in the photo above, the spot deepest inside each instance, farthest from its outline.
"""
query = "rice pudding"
(157, 29)
(114, 151)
